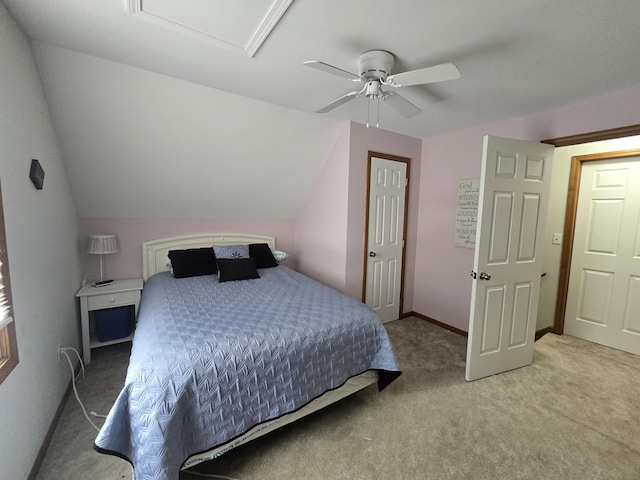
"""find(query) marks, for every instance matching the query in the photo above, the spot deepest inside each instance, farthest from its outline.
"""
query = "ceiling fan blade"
(401, 105)
(339, 101)
(437, 73)
(325, 67)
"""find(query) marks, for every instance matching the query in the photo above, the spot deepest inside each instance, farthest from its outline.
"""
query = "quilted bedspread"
(211, 360)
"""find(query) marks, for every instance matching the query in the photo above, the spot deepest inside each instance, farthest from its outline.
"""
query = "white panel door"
(603, 300)
(385, 242)
(514, 191)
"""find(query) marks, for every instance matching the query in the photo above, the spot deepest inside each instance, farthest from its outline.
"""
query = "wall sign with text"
(467, 212)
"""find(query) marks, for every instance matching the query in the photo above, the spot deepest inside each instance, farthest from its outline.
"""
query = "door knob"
(482, 276)
(372, 254)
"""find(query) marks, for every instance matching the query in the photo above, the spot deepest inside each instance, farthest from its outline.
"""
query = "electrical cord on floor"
(208, 475)
(73, 382)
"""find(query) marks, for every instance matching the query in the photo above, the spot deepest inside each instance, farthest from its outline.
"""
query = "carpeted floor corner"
(573, 414)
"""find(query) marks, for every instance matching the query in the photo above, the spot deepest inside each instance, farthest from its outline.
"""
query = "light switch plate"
(557, 239)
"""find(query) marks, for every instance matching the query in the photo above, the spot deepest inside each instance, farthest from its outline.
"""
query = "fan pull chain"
(377, 111)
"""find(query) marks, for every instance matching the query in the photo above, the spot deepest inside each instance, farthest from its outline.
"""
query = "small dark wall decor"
(36, 174)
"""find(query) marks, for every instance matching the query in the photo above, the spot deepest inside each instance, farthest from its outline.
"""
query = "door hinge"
(406, 181)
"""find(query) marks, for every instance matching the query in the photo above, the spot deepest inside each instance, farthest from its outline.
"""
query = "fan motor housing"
(375, 64)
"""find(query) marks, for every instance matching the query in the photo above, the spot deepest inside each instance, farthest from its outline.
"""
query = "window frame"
(8, 342)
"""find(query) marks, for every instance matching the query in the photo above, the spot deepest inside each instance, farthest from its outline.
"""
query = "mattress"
(211, 360)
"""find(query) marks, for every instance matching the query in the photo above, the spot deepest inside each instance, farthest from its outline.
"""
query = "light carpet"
(573, 414)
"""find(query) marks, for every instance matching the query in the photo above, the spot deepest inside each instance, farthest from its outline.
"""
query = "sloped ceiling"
(140, 144)
(188, 123)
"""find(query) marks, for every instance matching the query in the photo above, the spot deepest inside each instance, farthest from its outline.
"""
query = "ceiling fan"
(374, 69)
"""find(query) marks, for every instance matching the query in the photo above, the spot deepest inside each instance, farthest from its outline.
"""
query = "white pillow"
(279, 255)
(231, 251)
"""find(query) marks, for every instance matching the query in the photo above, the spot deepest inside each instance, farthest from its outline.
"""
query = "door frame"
(572, 203)
(365, 251)
(570, 224)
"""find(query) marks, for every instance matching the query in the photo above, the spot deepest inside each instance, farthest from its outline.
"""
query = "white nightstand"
(120, 293)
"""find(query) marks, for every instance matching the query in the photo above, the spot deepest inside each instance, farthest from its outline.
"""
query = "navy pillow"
(230, 269)
(193, 262)
(263, 255)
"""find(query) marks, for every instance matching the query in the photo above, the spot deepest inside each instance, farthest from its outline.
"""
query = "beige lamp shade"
(101, 244)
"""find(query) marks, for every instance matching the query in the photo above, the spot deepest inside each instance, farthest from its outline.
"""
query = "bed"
(219, 359)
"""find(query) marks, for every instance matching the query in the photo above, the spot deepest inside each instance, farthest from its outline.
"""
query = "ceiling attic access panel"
(240, 27)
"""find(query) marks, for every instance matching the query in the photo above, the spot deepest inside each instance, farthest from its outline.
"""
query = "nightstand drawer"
(109, 300)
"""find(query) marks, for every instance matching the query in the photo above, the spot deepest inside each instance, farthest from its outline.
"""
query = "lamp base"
(103, 283)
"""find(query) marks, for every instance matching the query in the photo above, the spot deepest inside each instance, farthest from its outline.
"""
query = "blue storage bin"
(113, 323)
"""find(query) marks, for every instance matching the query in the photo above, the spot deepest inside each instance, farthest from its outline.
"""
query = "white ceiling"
(515, 56)
(172, 97)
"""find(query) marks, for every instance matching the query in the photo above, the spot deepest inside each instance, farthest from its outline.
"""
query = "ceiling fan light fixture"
(374, 67)
(373, 90)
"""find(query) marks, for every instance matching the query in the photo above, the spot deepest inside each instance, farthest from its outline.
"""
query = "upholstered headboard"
(155, 257)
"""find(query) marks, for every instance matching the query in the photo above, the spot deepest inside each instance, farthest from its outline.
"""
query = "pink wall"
(322, 221)
(326, 241)
(131, 232)
(442, 288)
(330, 226)
(363, 140)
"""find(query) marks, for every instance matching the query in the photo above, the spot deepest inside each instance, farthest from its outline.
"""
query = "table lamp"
(101, 244)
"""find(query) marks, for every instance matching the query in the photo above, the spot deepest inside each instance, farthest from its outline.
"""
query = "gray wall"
(41, 231)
